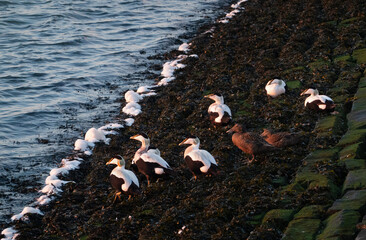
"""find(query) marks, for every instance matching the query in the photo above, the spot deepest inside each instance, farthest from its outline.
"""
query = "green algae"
(293, 84)
(352, 136)
(302, 229)
(331, 153)
(351, 200)
(311, 211)
(352, 151)
(326, 124)
(278, 217)
(356, 179)
(354, 164)
(343, 58)
(341, 224)
(360, 55)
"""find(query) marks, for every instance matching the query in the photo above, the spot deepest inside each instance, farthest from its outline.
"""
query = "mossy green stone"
(355, 164)
(362, 83)
(352, 151)
(352, 136)
(342, 58)
(360, 55)
(312, 211)
(352, 200)
(340, 224)
(294, 187)
(355, 179)
(280, 216)
(306, 175)
(361, 93)
(325, 124)
(302, 229)
(293, 84)
(316, 181)
(357, 119)
(330, 153)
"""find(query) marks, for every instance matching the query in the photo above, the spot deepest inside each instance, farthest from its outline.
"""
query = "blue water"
(64, 64)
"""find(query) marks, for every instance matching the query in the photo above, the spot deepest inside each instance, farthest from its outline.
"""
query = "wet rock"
(352, 200)
(312, 211)
(278, 217)
(356, 150)
(302, 229)
(352, 136)
(361, 235)
(360, 55)
(355, 179)
(355, 164)
(341, 224)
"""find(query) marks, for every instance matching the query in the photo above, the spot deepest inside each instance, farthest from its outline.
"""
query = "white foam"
(81, 145)
(111, 126)
(132, 108)
(59, 171)
(144, 89)
(94, 135)
(50, 190)
(26, 210)
(55, 181)
(132, 96)
(9, 233)
(184, 47)
(148, 94)
(165, 81)
(231, 14)
(44, 200)
(70, 164)
(129, 121)
(89, 153)
(237, 5)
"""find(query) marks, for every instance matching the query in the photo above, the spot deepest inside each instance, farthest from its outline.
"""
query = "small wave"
(5, 3)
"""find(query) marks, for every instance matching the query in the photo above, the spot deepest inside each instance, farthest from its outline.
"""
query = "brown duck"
(281, 139)
(249, 142)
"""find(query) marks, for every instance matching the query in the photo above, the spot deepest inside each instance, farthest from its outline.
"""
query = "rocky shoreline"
(314, 190)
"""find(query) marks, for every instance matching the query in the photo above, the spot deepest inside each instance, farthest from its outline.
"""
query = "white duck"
(275, 87)
(148, 160)
(318, 102)
(199, 161)
(220, 113)
(123, 180)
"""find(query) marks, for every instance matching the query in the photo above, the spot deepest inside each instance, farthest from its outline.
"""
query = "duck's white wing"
(311, 99)
(120, 173)
(153, 158)
(226, 109)
(220, 109)
(325, 98)
(203, 156)
(132, 176)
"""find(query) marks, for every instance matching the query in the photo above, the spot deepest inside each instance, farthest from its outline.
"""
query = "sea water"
(63, 67)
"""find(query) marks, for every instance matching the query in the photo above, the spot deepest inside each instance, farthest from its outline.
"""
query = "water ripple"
(58, 60)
